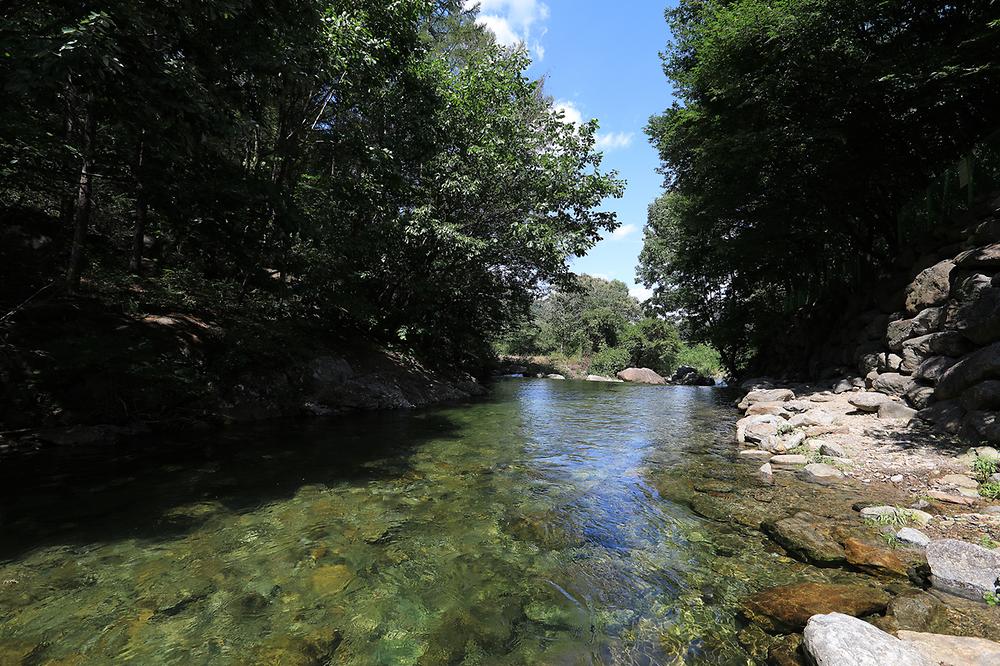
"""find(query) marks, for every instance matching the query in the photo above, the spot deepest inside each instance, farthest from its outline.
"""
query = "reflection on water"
(523, 529)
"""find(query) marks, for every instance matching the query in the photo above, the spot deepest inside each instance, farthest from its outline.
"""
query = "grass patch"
(990, 490)
(985, 467)
(987, 542)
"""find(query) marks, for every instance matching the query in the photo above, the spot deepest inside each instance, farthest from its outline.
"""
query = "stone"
(901, 330)
(980, 257)
(758, 432)
(896, 478)
(821, 472)
(959, 480)
(972, 369)
(641, 376)
(896, 410)
(814, 417)
(976, 315)
(946, 416)
(873, 559)
(892, 383)
(766, 469)
(780, 443)
(555, 376)
(930, 287)
(601, 378)
(954, 650)
(806, 537)
(765, 395)
(986, 424)
(785, 651)
(951, 499)
(982, 396)
(896, 514)
(755, 383)
(836, 639)
(832, 450)
(850, 384)
(918, 350)
(772, 408)
(688, 376)
(931, 369)
(789, 459)
(870, 379)
(787, 608)
(964, 569)
(755, 454)
(868, 401)
(920, 397)
(913, 536)
(889, 362)
(920, 611)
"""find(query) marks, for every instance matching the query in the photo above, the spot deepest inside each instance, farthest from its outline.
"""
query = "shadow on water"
(102, 493)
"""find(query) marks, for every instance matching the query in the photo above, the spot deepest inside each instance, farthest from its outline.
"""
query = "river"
(532, 527)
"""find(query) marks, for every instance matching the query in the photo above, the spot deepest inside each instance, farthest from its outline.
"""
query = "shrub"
(609, 361)
(985, 467)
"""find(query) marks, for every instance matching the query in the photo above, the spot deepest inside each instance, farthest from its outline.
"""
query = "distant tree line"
(597, 322)
(802, 131)
(380, 167)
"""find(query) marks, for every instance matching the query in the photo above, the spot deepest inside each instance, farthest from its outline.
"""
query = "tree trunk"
(138, 238)
(81, 212)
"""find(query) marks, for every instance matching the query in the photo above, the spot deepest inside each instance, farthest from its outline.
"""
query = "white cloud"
(624, 231)
(614, 140)
(514, 22)
(571, 114)
(640, 292)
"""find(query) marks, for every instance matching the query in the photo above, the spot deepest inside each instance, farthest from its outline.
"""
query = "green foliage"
(984, 467)
(986, 542)
(610, 361)
(803, 130)
(365, 166)
(990, 490)
(991, 599)
(703, 358)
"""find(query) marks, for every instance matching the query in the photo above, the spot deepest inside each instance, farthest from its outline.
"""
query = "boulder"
(832, 450)
(868, 401)
(932, 368)
(930, 287)
(641, 376)
(787, 608)
(602, 378)
(757, 428)
(789, 459)
(873, 559)
(964, 569)
(920, 611)
(918, 350)
(889, 362)
(920, 396)
(972, 369)
(984, 424)
(755, 454)
(953, 650)
(945, 416)
(912, 536)
(806, 537)
(814, 417)
(848, 384)
(765, 395)
(901, 330)
(977, 317)
(836, 639)
(772, 408)
(688, 376)
(980, 257)
(896, 410)
(555, 376)
(821, 472)
(982, 396)
(781, 443)
(892, 383)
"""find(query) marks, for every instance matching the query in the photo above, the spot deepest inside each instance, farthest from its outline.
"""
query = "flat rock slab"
(821, 472)
(912, 536)
(964, 569)
(869, 401)
(874, 559)
(789, 459)
(765, 395)
(787, 608)
(954, 650)
(807, 538)
(836, 639)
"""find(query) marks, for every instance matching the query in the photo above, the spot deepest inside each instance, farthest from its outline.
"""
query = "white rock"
(954, 650)
(963, 568)
(821, 472)
(755, 454)
(912, 536)
(836, 639)
(766, 470)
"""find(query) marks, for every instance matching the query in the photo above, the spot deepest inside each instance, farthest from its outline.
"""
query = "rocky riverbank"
(853, 480)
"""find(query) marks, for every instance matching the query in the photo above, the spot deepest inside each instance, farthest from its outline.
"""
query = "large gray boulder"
(932, 368)
(920, 396)
(918, 350)
(982, 396)
(641, 376)
(980, 257)
(892, 383)
(977, 316)
(901, 330)
(868, 401)
(963, 568)
(765, 395)
(757, 428)
(930, 287)
(953, 650)
(972, 369)
(896, 410)
(836, 639)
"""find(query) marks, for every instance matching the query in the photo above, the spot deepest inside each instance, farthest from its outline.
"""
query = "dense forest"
(798, 156)
(383, 170)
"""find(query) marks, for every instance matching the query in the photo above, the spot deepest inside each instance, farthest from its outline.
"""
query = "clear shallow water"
(530, 528)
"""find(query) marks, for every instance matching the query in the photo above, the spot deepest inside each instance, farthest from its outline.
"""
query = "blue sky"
(601, 60)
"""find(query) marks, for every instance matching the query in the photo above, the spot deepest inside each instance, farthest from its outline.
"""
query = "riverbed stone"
(868, 401)
(757, 419)
(920, 611)
(821, 472)
(945, 343)
(962, 568)
(602, 378)
(873, 559)
(789, 459)
(896, 514)
(765, 395)
(901, 330)
(836, 639)
(958, 480)
(971, 369)
(755, 454)
(913, 536)
(641, 376)
(930, 287)
(814, 417)
(896, 410)
(555, 376)
(787, 608)
(832, 449)
(931, 369)
(892, 383)
(806, 537)
(954, 650)
(767, 408)
(920, 396)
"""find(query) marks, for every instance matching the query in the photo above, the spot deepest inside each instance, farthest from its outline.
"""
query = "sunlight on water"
(523, 529)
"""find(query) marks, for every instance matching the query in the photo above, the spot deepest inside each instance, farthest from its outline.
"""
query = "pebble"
(896, 478)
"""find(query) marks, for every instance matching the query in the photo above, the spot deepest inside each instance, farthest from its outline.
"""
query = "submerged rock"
(821, 472)
(836, 639)
(787, 608)
(806, 537)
